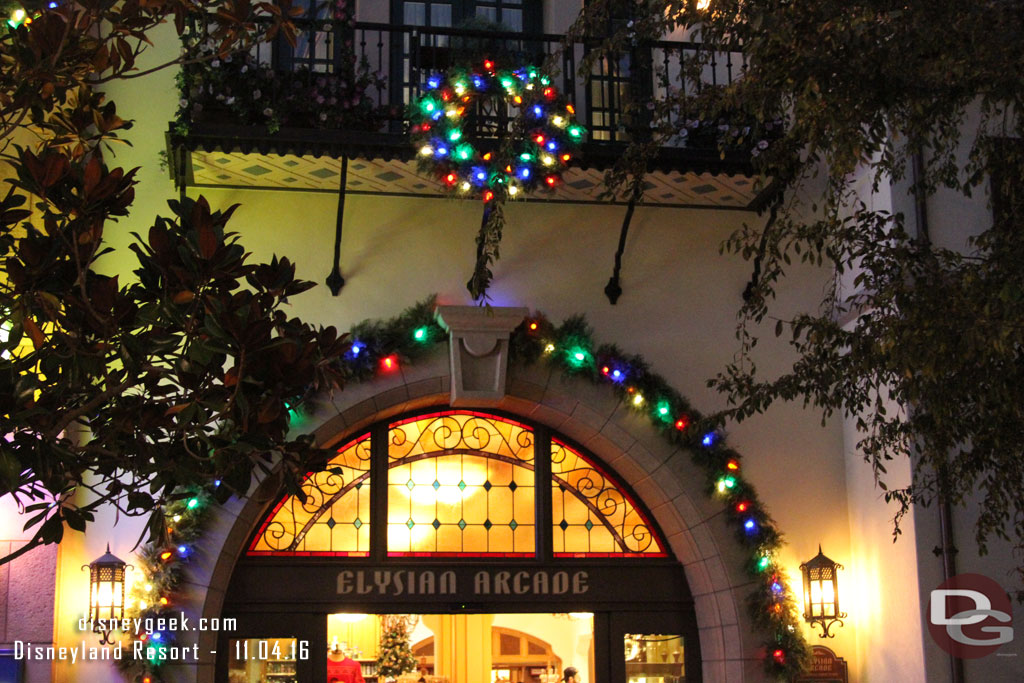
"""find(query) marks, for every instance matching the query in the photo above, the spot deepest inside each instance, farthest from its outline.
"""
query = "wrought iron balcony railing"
(345, 76)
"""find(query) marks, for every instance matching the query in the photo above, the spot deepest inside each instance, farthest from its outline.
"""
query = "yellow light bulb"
(638, 399)
(558, 121)
(452, 112)
(513, 190)
(549, 348)
(548, 160)
(465, 186)
(426, 150)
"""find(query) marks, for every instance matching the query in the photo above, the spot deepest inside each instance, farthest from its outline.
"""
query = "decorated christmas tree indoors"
(395, 656)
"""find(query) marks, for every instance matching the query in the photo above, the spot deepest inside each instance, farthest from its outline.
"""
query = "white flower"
(230, 100)
(182, 102)
(762, 144)
(256, 94)
(215, 64)
(268, 112)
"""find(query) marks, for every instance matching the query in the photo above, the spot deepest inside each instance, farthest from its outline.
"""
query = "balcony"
(327, 115)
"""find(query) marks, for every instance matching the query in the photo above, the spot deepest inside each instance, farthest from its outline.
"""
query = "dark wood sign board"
(825, 667)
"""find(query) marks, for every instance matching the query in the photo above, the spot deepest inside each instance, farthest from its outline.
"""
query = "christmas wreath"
(534, 137)
(542, 139)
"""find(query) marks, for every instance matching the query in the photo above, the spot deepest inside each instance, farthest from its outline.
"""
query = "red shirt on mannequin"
(345, 671)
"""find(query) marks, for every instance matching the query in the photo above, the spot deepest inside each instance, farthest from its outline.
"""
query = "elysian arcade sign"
(618, 585)
(485, 582)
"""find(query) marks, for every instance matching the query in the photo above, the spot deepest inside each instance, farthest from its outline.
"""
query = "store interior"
(463, 648)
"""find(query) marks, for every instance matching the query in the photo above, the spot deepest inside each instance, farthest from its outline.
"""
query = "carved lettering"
(485, 582)
(344, 582)
(448, 583)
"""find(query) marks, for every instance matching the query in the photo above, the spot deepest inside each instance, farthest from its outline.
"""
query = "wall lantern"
(106, 593)
(821, 593)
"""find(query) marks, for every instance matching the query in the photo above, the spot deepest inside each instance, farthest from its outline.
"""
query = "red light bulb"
(389, 363)
(682, 423)
(732, 465)
(742, 507)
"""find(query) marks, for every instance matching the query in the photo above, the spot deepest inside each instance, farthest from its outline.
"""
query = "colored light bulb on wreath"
(551, 181)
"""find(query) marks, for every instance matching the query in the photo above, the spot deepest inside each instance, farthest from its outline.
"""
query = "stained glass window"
(591, 515)
(335, 517)
(460, 483)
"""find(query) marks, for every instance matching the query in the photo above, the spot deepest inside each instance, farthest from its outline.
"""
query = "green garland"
(382, 347)
(164, 565)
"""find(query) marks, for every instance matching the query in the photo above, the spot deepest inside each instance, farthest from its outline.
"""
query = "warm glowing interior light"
(350, 618)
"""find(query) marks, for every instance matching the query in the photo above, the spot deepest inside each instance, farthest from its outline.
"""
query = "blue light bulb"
(552, 145)
(708, 439)
(434, 82)
(524, 173)
(537, 111)
(750, 526)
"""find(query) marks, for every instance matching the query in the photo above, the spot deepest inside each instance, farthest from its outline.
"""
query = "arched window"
(460, 483)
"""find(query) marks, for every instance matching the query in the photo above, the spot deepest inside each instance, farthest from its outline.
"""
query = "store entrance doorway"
(502, 647)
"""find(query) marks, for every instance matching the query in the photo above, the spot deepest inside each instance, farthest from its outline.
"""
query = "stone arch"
(662, 475)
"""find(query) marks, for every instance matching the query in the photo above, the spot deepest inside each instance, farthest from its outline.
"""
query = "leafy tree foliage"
(120, 393)
(920, 344)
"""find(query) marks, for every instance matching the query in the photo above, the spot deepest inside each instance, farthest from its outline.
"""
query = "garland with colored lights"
(382, 347)
(571, 348)
(155, 596)
(541, 141)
